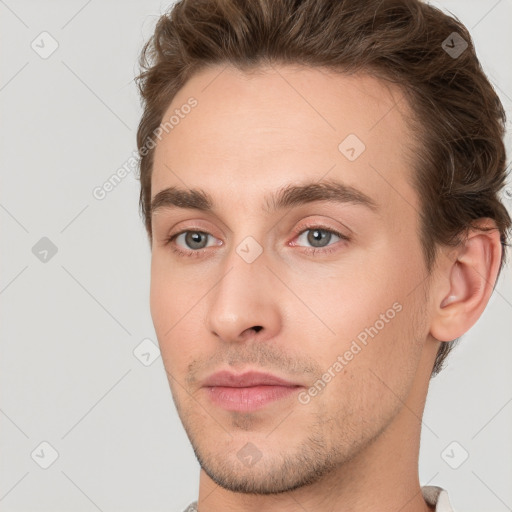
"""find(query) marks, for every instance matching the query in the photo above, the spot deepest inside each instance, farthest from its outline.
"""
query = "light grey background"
(69, 326)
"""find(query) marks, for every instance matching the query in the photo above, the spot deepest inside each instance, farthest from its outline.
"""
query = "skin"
(354, 446)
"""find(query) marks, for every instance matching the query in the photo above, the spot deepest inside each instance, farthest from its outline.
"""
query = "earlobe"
(471, 279)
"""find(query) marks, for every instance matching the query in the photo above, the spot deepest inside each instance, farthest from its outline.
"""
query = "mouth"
(247, 392)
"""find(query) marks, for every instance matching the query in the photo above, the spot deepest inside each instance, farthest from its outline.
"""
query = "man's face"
(346, 325)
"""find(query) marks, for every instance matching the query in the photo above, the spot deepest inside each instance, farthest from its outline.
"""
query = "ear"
(466, 282)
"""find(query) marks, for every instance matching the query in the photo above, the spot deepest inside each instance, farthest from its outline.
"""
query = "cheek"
(174, 305)
(165, 310)
(171, 293)
(354, 295)
(371, 312)
(159, 298)
(374, 369)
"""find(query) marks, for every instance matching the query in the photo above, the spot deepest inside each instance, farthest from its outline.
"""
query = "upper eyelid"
(298, 232)
(309, 224)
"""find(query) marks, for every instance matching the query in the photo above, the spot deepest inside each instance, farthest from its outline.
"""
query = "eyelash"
(307, 250)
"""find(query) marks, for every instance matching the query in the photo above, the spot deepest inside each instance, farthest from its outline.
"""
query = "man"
(320, 185)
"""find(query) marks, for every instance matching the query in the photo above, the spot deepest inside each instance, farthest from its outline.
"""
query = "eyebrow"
(286, 197)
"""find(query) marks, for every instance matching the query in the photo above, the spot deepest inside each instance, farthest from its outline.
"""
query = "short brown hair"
(459, 120)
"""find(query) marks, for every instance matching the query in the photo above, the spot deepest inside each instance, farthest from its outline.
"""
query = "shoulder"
(437, 496)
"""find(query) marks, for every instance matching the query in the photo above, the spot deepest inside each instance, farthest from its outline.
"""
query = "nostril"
(257, 328)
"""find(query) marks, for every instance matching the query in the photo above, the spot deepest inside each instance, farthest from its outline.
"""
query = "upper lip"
(244, 380)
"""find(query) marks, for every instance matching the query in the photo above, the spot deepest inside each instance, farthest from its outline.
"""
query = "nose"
(244, 303)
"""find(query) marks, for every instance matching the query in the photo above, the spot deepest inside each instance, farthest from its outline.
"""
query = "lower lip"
(250, 398)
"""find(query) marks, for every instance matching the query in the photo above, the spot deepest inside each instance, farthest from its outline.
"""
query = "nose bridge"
(243, 298)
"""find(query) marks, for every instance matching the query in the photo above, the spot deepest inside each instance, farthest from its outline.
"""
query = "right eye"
(194, 239)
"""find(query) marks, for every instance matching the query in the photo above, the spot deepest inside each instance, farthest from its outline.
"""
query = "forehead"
(266, 128)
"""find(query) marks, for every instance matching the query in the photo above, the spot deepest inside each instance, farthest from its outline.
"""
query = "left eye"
(319, 237)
